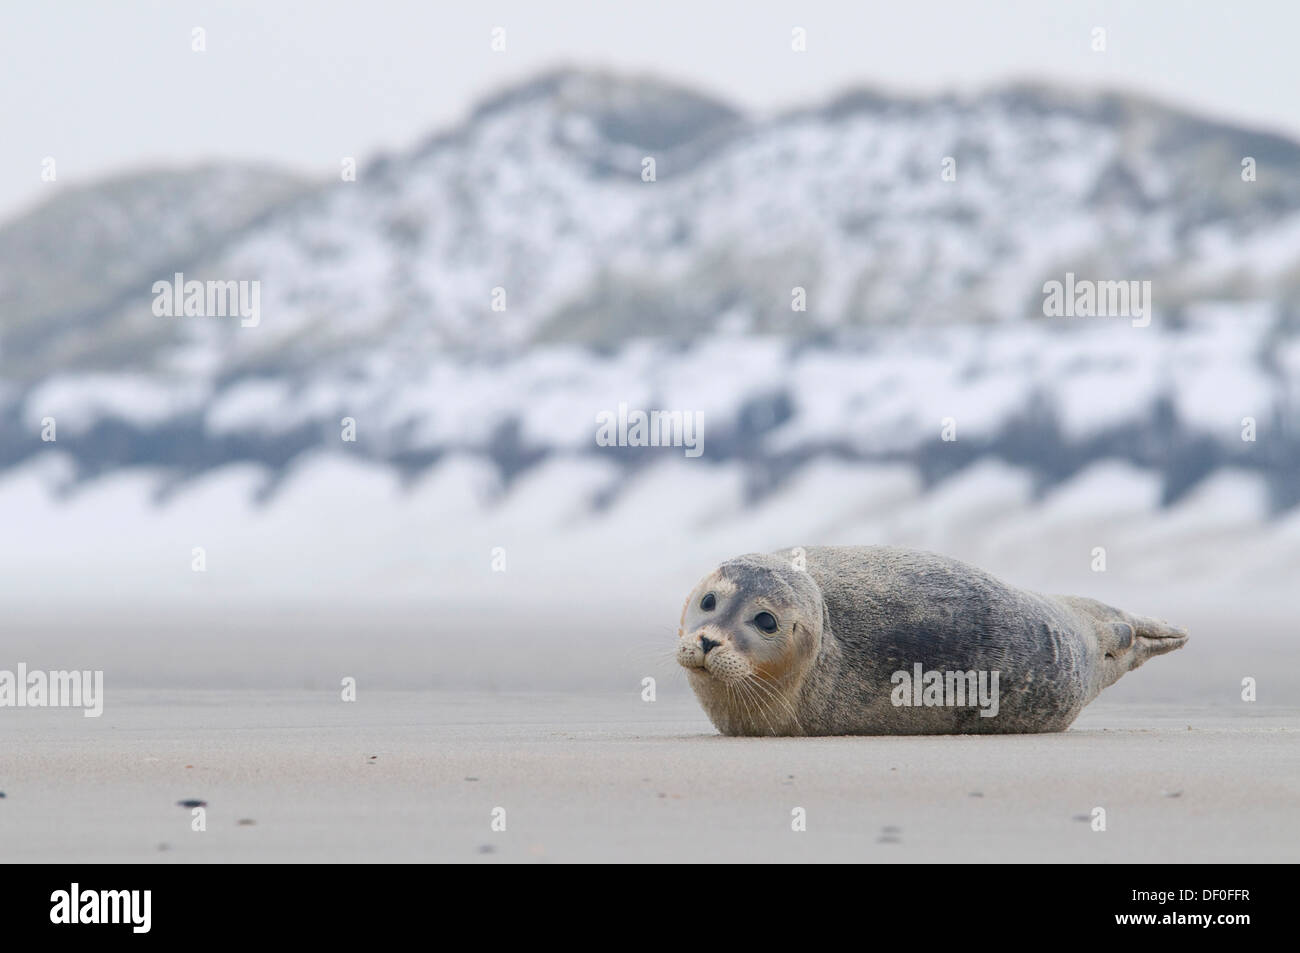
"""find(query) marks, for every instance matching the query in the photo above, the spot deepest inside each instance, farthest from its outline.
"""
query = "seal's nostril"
(708, 644)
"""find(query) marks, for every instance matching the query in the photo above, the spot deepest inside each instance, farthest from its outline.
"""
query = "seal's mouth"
(723, 668)
(717, 660)
(691, 659)
(697, 664)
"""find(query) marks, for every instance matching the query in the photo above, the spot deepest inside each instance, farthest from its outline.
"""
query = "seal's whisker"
(661, 651)
(733, 690)
(772, 704)
(774, 693)
(758, 705)
(658, 657)
(763, 707)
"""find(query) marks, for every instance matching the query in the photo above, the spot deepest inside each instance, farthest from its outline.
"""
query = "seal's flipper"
(1126, 640)
(1155, 637)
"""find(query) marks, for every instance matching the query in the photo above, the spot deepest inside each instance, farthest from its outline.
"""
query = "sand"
(416, 776)
(242, 710)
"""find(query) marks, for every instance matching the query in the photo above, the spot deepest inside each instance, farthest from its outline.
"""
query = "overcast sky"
(104, 87)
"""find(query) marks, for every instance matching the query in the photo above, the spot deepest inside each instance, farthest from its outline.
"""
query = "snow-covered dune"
(476, 429)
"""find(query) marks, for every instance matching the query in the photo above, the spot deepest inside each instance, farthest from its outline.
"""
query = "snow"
(376, 305)
(78, 402)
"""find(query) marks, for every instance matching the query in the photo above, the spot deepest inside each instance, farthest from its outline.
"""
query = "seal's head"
(749, 634)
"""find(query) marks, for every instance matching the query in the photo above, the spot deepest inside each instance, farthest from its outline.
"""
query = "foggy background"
(475, 429)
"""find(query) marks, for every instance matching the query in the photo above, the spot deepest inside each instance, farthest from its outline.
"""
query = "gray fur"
(853, 616)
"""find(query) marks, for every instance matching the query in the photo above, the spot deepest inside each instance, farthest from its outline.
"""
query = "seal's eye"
(708, 602)
(766, 621)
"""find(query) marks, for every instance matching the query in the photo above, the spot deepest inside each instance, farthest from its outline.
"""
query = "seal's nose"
(707, 644)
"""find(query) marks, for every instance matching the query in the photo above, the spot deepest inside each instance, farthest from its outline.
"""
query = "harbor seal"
(875, 640)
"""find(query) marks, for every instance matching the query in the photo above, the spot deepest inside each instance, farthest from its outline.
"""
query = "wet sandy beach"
(418, 776)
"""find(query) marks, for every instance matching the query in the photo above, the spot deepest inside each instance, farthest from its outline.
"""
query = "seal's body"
(881, 641)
